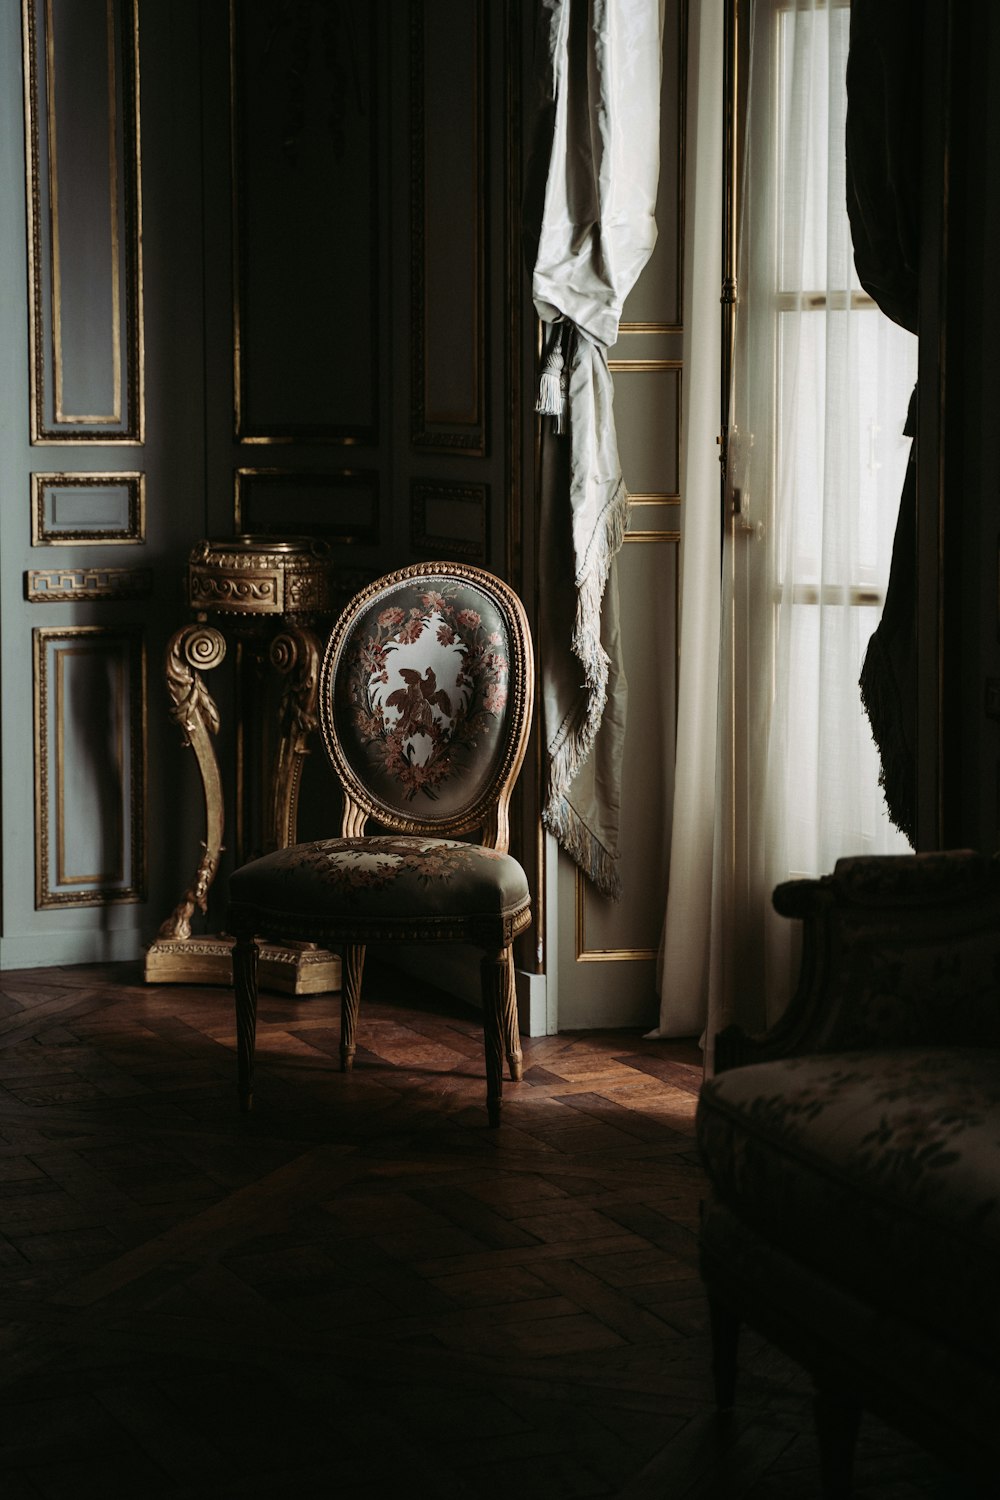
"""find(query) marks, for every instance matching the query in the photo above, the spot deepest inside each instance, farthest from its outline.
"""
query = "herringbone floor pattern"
(359, 1289)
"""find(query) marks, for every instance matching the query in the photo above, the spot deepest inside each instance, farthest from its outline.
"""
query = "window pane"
(830, 801)
(844, 379)
(814, 244)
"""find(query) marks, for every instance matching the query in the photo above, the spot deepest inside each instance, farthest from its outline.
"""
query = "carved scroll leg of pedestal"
(494, 978)
(350, 1002)
(245, 955)
(193, 708)
(510, 1029)
(295, 652)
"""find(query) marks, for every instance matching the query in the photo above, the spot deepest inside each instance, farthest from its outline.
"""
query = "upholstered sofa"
(853, 1157)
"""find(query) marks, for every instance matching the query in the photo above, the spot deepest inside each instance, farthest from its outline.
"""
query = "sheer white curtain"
(684, 950)
(816, 463)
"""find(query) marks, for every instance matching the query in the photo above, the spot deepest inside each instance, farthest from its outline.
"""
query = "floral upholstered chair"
(425, 705)
(853, 1156)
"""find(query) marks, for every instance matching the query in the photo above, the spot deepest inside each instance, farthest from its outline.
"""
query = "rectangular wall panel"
(87, 509)
(305, 221)
(83, 190)
(648, 417)
(90, 765)
(448, 196)
(340, 505)
(449, 521)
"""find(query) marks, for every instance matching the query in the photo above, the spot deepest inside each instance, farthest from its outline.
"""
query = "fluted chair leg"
(245, 953)
(350, 1003)
(511, 1030)
(494, 978)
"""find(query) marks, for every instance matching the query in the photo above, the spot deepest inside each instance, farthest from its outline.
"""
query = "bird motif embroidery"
(416, 702)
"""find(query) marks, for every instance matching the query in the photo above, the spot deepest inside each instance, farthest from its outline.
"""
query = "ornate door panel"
(101, 373)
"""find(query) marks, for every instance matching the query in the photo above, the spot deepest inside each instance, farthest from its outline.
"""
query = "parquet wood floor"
(359, 1289)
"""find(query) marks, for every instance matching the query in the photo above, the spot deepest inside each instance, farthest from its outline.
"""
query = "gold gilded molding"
(261, 575)
(644, 366)
(116, 740)
(192, 650)
(62, 416)
(627, 328)
(208, 960)
(44, 533)
(585, 955)
(652, 533)
(123, 878)
(49, 235)
(463, 432)
(671, 407)
(64, 585)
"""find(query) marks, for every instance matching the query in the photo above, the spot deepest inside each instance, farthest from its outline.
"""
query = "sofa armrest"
(897, 950)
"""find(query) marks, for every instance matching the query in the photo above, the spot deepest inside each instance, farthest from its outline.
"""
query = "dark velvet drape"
(883, 166)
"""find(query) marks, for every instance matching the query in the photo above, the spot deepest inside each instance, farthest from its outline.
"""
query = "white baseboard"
(456, 970)
(532, 1003)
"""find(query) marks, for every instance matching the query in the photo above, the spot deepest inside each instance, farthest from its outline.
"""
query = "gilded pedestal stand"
(253, 584)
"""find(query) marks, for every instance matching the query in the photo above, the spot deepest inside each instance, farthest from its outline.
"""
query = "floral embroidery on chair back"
(418, 679)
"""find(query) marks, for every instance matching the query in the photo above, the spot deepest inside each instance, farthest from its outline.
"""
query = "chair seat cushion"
(390, 877)
(879, 1169)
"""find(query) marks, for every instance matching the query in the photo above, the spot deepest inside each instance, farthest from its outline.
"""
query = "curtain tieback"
(552, 386)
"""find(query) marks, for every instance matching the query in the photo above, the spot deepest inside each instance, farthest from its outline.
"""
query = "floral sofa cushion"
(881, 1169)
(385, 876)
(421, 696)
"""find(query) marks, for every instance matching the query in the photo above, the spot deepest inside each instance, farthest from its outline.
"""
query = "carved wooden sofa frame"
(853, 1155)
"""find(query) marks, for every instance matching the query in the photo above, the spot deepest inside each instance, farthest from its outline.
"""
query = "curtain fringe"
(570, 753)
(596, 862)
(586, 642)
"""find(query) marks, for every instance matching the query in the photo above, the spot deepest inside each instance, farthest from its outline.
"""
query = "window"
(821, 384)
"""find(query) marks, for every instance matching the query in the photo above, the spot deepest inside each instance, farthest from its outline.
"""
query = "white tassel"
(552, 387)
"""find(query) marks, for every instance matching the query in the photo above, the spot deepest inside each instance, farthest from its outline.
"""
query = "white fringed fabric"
(596, 165)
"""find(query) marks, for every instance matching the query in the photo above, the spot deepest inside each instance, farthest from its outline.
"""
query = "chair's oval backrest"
(425, 697)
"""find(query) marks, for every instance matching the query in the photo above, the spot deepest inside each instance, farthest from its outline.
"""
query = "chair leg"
(725, 1326)
(494, 980)
(837, 1419)
(245, 953)
(509, 1026)
(350, 1003)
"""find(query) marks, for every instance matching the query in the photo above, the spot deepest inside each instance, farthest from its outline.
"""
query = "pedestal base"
(292, 968)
